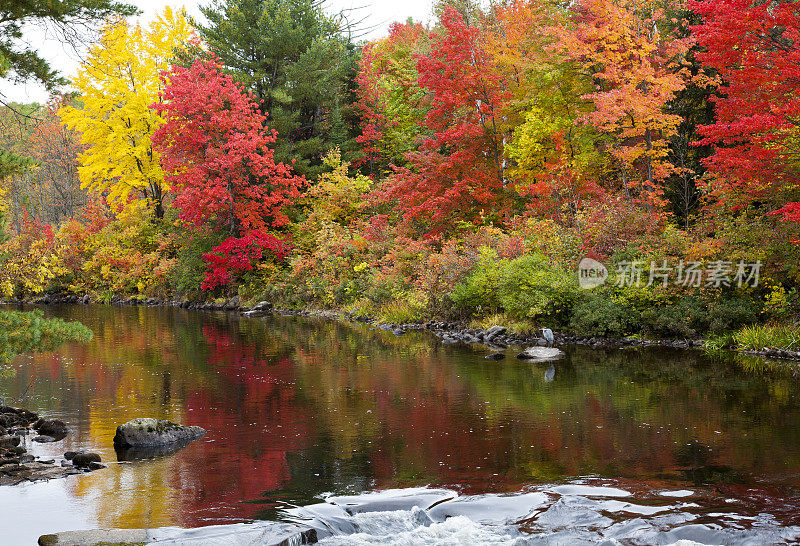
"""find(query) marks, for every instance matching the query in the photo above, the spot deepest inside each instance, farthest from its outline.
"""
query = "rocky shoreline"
(18, 466)
(449, 332)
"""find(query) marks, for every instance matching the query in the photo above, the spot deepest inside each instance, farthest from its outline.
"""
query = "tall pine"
(299, 63)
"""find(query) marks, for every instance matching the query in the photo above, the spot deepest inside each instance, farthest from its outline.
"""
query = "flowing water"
(373, 438)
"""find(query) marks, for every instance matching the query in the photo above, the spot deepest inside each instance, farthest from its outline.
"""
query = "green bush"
(189, 271)
(601, 314)
(688, 316)
(528, 287)
(728, 314)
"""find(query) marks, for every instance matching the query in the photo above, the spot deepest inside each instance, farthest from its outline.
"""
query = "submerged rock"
(153, 433)
(541, 354)
(495, 356)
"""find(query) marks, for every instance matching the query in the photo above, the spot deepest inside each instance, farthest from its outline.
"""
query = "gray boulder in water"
(154, 433)
(541, 354)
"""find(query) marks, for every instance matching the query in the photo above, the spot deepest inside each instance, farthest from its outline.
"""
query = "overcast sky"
(380, 14)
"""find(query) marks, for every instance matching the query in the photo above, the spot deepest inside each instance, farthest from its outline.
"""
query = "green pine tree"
(298, 61)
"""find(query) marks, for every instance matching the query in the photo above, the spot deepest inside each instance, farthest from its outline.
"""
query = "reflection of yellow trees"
(129, 497)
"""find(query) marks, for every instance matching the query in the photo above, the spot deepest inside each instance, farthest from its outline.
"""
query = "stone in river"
(541, 354)
(153, 433)
(85, 460)
(8, 442)
(51, 427)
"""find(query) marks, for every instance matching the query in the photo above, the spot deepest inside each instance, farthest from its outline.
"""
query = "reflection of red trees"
(251, 427)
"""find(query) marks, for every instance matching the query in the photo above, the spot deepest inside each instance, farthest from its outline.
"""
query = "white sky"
(379, 13)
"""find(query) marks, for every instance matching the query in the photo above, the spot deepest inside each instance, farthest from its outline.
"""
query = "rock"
(84, 460)
(154, 433)
(43, 439)
(51, 427)
(493, 332)
(92, 538)
(234, 302)
(94, 465)
(69, 455)
(86, 300)
(495, 356)
(7, 442)
(541, 354)
(8, 420)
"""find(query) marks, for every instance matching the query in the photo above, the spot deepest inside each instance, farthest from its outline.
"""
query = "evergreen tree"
(300, 65)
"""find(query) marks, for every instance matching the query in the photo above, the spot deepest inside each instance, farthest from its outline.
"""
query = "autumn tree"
(116, 86)
(555, 162)
(220, 164)
(636, 73)
(299, 64)
(391, 101)
(755, 48)
(458, 172)
(21, 63)
(55, 149)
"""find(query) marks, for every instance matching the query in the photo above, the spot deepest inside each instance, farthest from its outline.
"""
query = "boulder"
(84, 460)
(493, 332)
(541, 354)
(495, 356)
(51, 427)
(7, 442)
(154, 433)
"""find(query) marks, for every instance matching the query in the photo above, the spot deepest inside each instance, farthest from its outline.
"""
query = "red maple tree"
(216, 152)
(458, 171)
(754, 48)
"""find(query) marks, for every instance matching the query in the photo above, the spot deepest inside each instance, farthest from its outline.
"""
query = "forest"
(461, 168)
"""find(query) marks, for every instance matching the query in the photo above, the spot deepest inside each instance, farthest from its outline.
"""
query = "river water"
(374, 438)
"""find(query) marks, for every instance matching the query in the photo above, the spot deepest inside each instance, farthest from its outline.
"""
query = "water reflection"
(295, 408)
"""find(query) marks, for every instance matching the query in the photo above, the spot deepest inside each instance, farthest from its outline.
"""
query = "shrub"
(526, 287)
(408, 307)
(688, 316)
(728, 314)
(598, 314)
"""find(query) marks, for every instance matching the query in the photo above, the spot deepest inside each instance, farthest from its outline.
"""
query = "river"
(642, 446)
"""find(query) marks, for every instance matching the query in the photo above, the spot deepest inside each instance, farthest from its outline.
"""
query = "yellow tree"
(117, 84)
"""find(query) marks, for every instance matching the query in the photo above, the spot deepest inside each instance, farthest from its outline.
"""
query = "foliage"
(29, 261)
(635, 76)
(758, 337)
(751, 46)
(26, 332)
(298, 63)
(525, 287)
(221, 166)
(117, 84)
(457, 174)
(19, 63)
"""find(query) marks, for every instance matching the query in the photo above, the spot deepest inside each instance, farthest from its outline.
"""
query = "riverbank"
(448, 331)
(17, 427)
